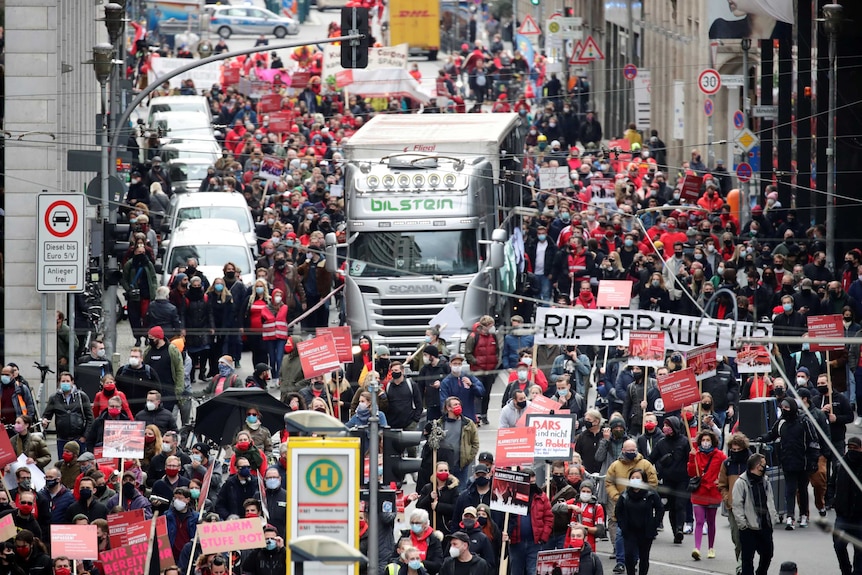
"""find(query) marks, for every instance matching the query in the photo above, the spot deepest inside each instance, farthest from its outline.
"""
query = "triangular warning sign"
(576, 54)
(529, 27)
(591, 51)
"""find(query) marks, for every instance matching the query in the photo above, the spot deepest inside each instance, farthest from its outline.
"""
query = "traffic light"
(354, 53)
(395, 465)
(534, 2)
(116, 244)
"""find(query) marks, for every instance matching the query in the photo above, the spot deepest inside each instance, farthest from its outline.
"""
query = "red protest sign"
(753, 359)
(690, 191)
(299, 80)
(7, 527)
(125, 560)
(138, 532)
(318, 355)
(280, 122)
(343, 341)
(702, 360)
(563, 561)
(118, 524)
(123, 439)
(7, 454)
(270, 103)
(614, 293)
(820, 326)
(166, 554)
(539, 405)
(227, 536)
(646, 348)
(678, 389)
(515, 446)
(230, 76)
(75, 541)
(101, 459)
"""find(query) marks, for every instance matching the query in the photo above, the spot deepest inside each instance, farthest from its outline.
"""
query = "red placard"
(166, 554)
(318, 355)
(7, 454)
(825, 326)
(8, 529)
(614, 293)
(270, 103)
(540, 405)
(299, 80)
(678, 389)
(75, 541)
(125, 560)
(515, 446)
(753, 359)
(703, 360)
(646, 348)
(691, 188)
(124, 439)
(343, 341)
(280, 122)
(118, 524)
(101, 459)
(230, 76)
(228, 536)
(562, 561)
(138, 532)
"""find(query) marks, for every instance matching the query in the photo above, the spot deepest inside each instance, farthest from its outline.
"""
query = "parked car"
(213, 242)
(187, 173)
(228, 20)
(203, 206)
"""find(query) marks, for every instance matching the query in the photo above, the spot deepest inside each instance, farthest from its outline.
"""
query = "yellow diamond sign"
(746, 139)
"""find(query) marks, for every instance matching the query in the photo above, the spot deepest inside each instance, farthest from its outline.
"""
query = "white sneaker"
(687, 528)
(803, 521)
(858, 422)
(788, 524)
(705, 529)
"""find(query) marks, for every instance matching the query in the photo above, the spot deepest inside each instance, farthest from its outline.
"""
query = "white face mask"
(426, 359)
(151, 406)
(277, 299)
(454, 552)
(180, 505)
(456, 370)
(134, 361)
(801, 381)
(586, 496)
(527, 360)
(522, 374)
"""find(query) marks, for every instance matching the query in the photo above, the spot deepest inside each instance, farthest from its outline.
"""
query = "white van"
(205, 206)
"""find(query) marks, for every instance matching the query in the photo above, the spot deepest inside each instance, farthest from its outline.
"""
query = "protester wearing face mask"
(363, 360)
(73, 412)
(182, 520)
(514, 408)
(30, 555)
(848, 513)
(363, 412)
(466, 560)
(154, 413)
(462, 385)
(32, 445)
(438, 498)
(114, 412)
(158, 464)
(197, 469)
(639, 512)
(586, 514)
(165, 486)
(838, 413)
(245, 448)
(705, 462)
(559, 492)
(87, 503)
(523, 377)
(271, 558)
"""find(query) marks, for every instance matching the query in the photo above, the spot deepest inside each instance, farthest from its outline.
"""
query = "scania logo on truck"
(421, 148)
(414, 14)
(408, 205)
(414, 289)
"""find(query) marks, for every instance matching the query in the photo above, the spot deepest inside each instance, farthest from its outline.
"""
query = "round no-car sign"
(61, 219)
(630, 72)
(709, 81)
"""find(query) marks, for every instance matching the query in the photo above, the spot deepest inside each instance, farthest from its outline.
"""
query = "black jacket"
(670, 455)
(96, 435)
(848, 498)
(446, 499)
(161, 418)
(164, 314)
(723, 388)
(276, 505)
(550, 252)
(800, 448)
(405, 403)
(233, 493)
(136, 383)
(640, 512)
(73, 419)
(96, 510)
(478, 566)
(263, 562)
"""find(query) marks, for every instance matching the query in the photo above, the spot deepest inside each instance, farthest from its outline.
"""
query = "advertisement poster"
(515, 446)
(646, 348)
(124, 439)
(702, 360)
(318, 355)
(553, 435)
(678, 389)
(510, 492)
(753, 359)
(820, 326)
(754, 19)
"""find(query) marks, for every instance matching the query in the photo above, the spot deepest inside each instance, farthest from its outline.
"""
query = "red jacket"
(541, 518)
(707, 493)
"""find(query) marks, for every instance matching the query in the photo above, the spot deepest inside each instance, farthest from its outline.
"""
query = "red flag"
(140, 33)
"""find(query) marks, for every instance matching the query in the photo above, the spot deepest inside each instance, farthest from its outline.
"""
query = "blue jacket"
(514, 342)
(362, 420)
(191, 518)
(451, 385)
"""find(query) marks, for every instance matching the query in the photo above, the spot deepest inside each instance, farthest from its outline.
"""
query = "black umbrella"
(219, 418)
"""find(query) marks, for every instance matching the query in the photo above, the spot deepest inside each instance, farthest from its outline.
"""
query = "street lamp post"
(832, 19)
(745, 200)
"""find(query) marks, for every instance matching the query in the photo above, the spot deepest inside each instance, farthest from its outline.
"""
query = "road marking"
(681, 568)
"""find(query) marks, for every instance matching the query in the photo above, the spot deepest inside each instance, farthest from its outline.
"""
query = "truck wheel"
(224, 32)
(432, 55)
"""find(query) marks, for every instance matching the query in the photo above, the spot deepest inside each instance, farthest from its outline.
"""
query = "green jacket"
(129, 273)
(469, 440)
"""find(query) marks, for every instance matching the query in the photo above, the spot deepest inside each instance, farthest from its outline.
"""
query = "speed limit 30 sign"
(709, 81)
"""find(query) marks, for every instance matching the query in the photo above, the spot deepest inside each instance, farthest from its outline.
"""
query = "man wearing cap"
(270, 559)
(166, 361)
(259, 378)
(434, 369)
(479, 543)
(130, 497)
(158, 174)
(461, 560)
(478, 492)
(462, 385)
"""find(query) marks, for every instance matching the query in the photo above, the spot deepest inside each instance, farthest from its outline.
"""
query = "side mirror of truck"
(331, 252)
(496, 250)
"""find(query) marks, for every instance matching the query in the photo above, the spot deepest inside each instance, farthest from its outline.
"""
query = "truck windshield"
(378, 254)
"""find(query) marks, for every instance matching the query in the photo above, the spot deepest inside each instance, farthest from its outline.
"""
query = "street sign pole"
(744, 191)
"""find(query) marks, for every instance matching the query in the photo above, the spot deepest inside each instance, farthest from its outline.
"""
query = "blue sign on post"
(739, 120)
(630, 72)
(744, 172)
(708, 107)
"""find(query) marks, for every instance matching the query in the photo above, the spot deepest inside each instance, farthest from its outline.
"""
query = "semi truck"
(416, 22)
(426, 199)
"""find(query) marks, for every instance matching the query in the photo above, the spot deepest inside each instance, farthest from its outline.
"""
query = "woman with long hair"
(221, 310)
(253, 324)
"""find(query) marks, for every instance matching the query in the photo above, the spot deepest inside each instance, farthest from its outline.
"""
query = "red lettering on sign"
(414, 14)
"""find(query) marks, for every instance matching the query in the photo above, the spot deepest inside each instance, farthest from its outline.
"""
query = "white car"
(164, 104)
(187, 173)
(213, 242)
(184, 126)
(205, 206)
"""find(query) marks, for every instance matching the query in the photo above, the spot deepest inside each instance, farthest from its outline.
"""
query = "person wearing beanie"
(68, 465)
(432, 338)
(260, 377)
(166, 360)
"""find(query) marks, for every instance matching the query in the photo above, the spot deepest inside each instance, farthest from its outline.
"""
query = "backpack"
(220, 383)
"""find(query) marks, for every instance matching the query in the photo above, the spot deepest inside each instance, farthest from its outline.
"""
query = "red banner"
(7, 454)
(702, 360)
(118, 524)
(280, 122)
(825, 326)
(678, 389)
(230, 76)
(270, 103)
(690, 192)
(515, 446)
(125, 560)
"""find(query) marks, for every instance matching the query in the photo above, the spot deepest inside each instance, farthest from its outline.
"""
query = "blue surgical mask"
(542, 237)
(219, 288)
(258, 290)
(805, 347)
(273, 483)
(416, 528)
(65, 387)
(251, 419)
(270, 544)
(416, 564)
(787, 306)
(6, 379)
(427, 339)
(629, 242)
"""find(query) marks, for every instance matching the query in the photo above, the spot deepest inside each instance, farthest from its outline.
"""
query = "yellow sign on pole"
(323, 481)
